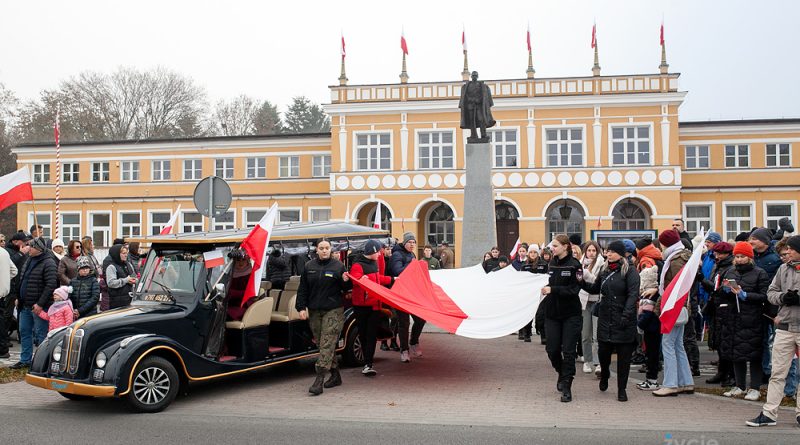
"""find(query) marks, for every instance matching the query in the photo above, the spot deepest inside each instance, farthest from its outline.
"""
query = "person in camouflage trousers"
(319, 300)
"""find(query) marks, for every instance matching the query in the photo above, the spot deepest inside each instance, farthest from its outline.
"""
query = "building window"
(71, 172)
(224, 168)
(630, 145)
(737, 156)
(130, 224)
(256, 168)
(42, 219)
(564, 216)
(192, 169)
(192, 222)
(697, 156)
(319, 215)
(130, 171)
(321, 166)
(289, 166)
(386, 217)
(159, 220)
(70, 227)
(738, 218)
(698, 216)
(100, 229)
(252, 217)
(564, 147)
(435, 150)
(162, 170)
(41, 173)
(99, 171)
(288, 216)
(629, 216)
(504, 143)
(226, 221)
(373, 151)
(777, 211)
(779, 155)
(439, 225)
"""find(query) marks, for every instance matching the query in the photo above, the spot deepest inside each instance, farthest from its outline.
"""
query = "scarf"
(58, 305)
(670, 252)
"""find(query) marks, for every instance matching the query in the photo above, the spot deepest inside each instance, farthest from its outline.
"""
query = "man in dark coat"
(402, 256)
(766, 258)
(716, 311)
(476, 108)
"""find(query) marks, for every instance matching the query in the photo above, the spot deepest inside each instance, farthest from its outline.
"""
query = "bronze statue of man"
(476, 108)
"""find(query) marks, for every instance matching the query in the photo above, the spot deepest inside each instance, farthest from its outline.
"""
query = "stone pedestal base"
(478, 233)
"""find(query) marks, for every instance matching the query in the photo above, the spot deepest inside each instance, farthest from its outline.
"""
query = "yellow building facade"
(610, 149)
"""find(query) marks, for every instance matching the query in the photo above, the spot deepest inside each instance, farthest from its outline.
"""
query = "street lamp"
(565, 211)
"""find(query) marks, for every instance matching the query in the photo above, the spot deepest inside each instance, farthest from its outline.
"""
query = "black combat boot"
(316, 387)
(566, 392)
(334, 380)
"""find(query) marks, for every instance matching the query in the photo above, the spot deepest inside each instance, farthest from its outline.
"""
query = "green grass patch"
(787, 401)
(8, 375)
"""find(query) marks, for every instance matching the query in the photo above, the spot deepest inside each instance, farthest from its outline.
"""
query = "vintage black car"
(174, 332)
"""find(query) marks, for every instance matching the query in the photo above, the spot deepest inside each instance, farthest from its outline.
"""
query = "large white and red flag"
(377, 223)
(677, 292)
(255, 244)
(514, 250)
(15, 187)
(166, 230)
(468, 301)
(403, 44)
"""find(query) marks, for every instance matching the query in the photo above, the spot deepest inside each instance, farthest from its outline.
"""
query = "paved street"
(461, 391)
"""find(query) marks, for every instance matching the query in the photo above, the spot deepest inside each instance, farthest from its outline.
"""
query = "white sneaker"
(649, 385)
(733, 392)
(597, 371)
(368, 371)
(580, 359)
(752, 394)
(587, 368)
(416, 351)
(404, 357)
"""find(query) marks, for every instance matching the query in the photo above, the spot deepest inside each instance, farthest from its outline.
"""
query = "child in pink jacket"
(60, 313)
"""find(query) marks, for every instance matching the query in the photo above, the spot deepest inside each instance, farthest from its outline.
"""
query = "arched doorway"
(630, 215)
(439, 225)
(507, 222)
(366, 216)
(564, 216)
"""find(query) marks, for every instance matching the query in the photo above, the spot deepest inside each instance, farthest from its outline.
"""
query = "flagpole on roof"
(57, 135)
(596, 67)
(465, 73)
(664, 67)
(530, 71)
(33, 199)
(404, 48)
(343, 76)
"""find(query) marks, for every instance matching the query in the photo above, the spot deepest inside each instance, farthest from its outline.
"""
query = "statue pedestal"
(478, 233)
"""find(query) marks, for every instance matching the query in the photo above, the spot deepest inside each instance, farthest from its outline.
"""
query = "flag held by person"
(377, 223)
(15, 187)
(171, 223)
(255, 244)
(513, 254)
(675, 295)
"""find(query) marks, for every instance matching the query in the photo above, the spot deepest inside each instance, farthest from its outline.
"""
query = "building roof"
(732, 122)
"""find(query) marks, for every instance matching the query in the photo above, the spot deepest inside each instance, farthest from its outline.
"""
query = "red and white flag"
(15, 187)
(171, 223)
(594, 35)
(514, 250)
(677, 292)
(213, 258)
(529, 37)
(377, 223)
(403, 44)
(599, 222)
(662, 34)
(464, 38)
(255, 244)
(344, 53)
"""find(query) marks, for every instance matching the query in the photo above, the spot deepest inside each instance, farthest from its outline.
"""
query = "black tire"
(154, 385)
(75, 397)
(353, 354)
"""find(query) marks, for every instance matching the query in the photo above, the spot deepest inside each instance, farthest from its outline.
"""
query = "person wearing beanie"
(85, 289)
(58, 248)
(618, 247)
(743, 248)
(707, 263)
(766, 258)
(575, 239)
(60, 313)
(402, 255)
(649, 265)
(669, 238)
(742, 236)
(630, 250)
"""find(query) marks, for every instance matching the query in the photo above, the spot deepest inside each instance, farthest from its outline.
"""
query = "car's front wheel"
(154, 385)
(353, 353)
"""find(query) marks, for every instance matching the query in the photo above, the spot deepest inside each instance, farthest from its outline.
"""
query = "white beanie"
(57, 242)
(534, 247)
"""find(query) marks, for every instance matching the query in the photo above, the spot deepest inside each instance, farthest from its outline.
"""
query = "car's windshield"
(172, 272)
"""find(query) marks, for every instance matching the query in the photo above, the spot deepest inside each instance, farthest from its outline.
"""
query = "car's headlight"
(100, 360)
(57, 352)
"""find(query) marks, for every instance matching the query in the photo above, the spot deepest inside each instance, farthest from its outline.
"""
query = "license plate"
(59, 386)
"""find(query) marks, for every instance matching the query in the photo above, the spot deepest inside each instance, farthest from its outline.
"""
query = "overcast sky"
(737, 59)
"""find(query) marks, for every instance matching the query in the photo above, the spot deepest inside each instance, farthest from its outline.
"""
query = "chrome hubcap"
(151, 385)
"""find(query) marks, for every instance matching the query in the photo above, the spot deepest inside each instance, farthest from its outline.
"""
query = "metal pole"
(211, 205)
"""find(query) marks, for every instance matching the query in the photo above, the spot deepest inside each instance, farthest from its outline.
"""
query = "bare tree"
(8, 163)
(244, 115)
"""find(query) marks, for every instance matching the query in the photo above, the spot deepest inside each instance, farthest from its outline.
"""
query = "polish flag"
(377, 223)
(468, 301)
(662, 33)
(15, 187)
(529, 37)
(403, 44)
(514, 250)
(677, 292)
(171, 223)
(599, 222)
(255, 244)
(213, 259)
(463, 38)
(343, 51)
(594, 35)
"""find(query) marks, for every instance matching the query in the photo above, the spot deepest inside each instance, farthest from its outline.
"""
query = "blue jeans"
(32, 331)
(676, 363)
(791, 380)
(766, 358)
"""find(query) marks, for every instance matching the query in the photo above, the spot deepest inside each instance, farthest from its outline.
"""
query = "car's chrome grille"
(75, 351)
(62, 365)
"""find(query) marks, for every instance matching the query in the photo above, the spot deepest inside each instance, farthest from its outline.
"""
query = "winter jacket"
(39, 280)
(741, 338)
(321, 285)
(673, 269)
(616, 314)
(85, 294)
(116, 276)
(540, 266)
(706, 267)
(490, 264)
(563, 301)
(18, 258)
(590, 275)
(648, 279)
(58, 319)
(787, 278)
(8, 270)
(433, 263)
(399, 260)
(716, 309)
(363, 266)
(517, 263)
(67, 270)
(770, 261)
(136, 261)
(278, 268)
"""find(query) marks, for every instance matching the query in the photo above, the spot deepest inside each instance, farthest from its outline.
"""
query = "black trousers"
(652, 344)
(624, 353)
(367, 321)
(563, 337)
(403, 322)
(756, 373)
(5, 344)
(527, 330)
(690, 344)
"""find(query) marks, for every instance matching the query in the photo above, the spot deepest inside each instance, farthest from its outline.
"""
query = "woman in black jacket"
(741, 340)
(717, 309)
(618, 286)
(563, 318)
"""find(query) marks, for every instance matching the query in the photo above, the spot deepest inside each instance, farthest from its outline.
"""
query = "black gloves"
(790, 298)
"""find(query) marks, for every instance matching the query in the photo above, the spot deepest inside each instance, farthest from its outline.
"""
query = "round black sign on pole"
(212, 198)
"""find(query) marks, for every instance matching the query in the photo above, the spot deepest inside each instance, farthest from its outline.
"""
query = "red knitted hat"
(743, 248)
(668, 238)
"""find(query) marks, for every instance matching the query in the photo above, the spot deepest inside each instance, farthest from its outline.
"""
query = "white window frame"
(289, 166)
(107, 229)
(624, 126)
(195, 176)
(777, 146)
(151, 225)
(318, 171)
(562, 127)
(737, 155)
(47, 229)
(74, 173)
(232, 224)
(121, 226)
(256, 168)
(160, 170)
(182, 221)
(697, 157)
(101, 172)
(311, 211)
(712, 216)
(725, 219)
(356, 134)
(63, 225)
(419, 131)
(128, 167)
(789, 202)
(504, 144)
(299, 210)
(38, 177)
(246, 210)
(426, 221)
(226, 169)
